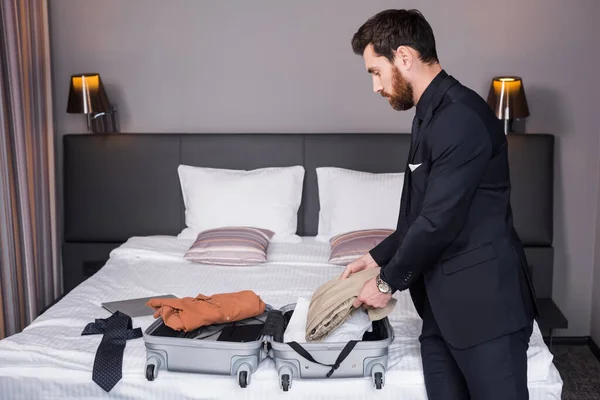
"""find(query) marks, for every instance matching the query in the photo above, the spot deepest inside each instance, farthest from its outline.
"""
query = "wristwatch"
(382, 285)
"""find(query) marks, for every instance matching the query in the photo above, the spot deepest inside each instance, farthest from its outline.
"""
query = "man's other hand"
(364, 262)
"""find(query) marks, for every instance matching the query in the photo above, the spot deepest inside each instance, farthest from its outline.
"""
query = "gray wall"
(269, 66)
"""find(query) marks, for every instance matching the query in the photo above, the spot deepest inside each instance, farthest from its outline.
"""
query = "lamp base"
(514, 126)
(103, 122)
(508, 126)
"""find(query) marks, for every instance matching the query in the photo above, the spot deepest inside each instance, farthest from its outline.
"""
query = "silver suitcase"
(199, 351)
(368, 357)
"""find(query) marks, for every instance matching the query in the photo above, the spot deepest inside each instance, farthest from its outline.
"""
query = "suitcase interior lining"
(237, 331)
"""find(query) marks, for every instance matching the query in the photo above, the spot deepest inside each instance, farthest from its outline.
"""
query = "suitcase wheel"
(377, 372)
(378, 380)
(243, 378)
(285, 382)
(150, 372)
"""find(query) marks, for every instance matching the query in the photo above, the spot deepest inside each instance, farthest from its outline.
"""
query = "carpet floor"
(580, 371)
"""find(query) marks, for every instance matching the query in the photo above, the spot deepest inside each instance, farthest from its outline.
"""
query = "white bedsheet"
(50, 359)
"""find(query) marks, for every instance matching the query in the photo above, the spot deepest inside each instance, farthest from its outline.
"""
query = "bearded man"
(455, 247)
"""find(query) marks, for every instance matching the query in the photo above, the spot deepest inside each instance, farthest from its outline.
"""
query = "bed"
(124, 213)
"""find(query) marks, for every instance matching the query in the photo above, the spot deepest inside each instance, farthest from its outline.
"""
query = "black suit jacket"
(455, 245)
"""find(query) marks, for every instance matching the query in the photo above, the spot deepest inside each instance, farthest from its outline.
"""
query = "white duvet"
(50, 359)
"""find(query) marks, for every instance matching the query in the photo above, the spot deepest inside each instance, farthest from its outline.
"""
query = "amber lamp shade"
(87, 95)
(507, 99)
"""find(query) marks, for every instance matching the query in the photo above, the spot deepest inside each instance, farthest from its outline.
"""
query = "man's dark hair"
(389, 29)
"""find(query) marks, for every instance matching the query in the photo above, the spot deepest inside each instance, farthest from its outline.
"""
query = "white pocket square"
(414, 166)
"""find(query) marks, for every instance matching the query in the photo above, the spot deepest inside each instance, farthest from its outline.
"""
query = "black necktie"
(415, 130)
(108, 363)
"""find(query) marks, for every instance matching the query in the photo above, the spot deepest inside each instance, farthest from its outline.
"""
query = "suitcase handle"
(341, 357)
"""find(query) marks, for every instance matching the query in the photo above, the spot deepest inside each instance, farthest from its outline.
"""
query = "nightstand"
(550, 317)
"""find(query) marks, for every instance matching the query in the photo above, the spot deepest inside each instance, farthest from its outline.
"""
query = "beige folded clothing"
(331, 304)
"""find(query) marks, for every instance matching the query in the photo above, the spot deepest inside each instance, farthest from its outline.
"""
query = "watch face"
(383, 287)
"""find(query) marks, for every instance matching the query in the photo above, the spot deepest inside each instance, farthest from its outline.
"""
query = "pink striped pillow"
(349, 246)
(232, 245)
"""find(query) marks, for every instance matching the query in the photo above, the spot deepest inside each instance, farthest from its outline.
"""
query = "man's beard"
(402, 99)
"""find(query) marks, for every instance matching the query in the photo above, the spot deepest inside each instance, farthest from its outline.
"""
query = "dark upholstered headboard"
(122, 185)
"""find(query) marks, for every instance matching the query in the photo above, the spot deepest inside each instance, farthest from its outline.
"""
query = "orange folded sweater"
(189, 313)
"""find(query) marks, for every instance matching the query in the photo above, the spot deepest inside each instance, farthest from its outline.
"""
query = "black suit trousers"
(496, 369)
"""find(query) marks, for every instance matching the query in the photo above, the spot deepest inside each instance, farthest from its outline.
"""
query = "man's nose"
(377, 88)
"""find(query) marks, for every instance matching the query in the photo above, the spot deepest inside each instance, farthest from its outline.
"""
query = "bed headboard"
(122, 185)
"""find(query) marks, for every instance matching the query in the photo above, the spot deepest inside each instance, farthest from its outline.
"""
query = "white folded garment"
(353, 329)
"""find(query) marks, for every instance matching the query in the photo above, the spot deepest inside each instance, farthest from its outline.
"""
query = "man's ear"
(404, 57)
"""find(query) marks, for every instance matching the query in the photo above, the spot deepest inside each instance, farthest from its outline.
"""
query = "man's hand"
(364, 262)
(371, 296)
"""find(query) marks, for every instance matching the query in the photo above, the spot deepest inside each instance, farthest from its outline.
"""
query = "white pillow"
(266, 198)
(355, 200)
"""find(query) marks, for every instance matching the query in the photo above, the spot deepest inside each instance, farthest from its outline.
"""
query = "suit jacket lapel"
(446, 84)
